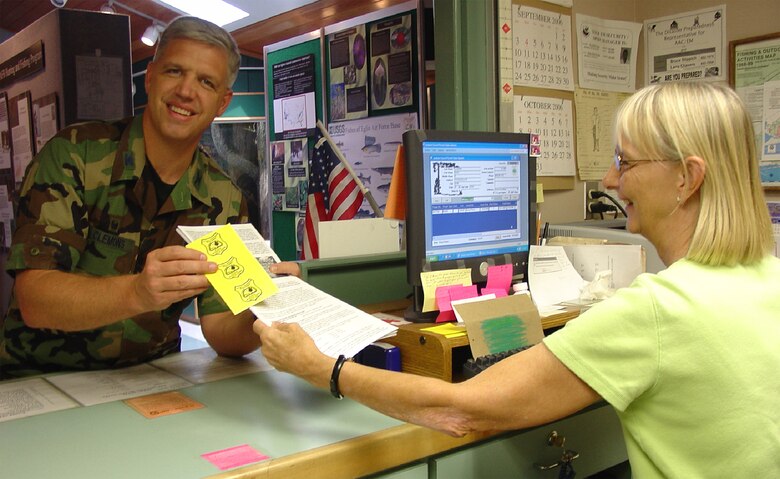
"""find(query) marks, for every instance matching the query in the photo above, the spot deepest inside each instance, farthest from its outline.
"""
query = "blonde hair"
(678, 120)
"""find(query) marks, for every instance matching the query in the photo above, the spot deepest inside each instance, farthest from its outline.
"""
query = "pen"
(544, 233)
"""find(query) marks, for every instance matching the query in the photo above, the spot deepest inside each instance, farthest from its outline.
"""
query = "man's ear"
(225, 102)
(148, 76)
(694, 169)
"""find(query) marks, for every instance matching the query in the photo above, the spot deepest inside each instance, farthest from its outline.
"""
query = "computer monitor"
(471, 203)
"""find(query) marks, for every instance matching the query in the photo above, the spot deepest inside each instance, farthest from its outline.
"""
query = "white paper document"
(249, 235)
(552, 278)
(204, 365)
(625, 261)
(29, 397)
(335, 326)
(97, 387)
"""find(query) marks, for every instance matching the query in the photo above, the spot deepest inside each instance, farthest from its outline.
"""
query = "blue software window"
(476, 199)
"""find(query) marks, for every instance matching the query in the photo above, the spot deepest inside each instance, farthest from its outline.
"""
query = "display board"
(361, 79)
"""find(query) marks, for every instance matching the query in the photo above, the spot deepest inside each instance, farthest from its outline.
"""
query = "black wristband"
(334, 377)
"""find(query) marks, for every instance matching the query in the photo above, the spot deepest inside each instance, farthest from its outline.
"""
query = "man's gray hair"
(193, 28)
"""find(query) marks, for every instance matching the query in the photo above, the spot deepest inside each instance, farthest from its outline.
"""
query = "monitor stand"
(415, 316)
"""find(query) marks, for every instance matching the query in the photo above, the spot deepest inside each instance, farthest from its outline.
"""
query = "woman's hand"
(288, 348)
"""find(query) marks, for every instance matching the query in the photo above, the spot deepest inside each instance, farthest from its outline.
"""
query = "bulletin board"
(536, 75)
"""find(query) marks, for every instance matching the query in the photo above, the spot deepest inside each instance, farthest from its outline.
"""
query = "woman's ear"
(694, 169)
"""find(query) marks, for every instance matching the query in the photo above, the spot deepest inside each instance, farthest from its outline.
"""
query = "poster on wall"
(595, 113)
(770, 131)
(6, 217)
(542, 48)
(97, 78)
(46, 120)
(687, 46)
(289, 174)
(5, 134)
(391, 69)
(370, 146)
(551, 119)
(348, 73)
(20, 121)
(755, 64)
(606, 52)
(295, 114)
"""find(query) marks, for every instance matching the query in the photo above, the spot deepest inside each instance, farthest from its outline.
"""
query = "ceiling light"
(152, 32)
(215, 11)
(108, 7)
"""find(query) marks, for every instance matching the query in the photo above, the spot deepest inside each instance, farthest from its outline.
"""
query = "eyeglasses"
(622, 165)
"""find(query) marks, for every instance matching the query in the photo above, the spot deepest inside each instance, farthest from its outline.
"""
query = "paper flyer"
(240, 279)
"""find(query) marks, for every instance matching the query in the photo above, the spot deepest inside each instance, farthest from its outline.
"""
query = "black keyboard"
(472, 367)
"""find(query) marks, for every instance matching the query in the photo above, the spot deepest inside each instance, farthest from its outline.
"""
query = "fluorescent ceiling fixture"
(216, 11)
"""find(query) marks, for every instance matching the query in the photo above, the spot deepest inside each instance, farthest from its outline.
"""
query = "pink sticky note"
(234, 457)
(463, 292)
(446, 316)
(500, 293)
(443, 296)
(499, 277)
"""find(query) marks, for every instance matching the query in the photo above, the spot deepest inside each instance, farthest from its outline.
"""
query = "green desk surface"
(272, 412)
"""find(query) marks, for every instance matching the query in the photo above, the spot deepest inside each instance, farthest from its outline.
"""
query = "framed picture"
(754, 72)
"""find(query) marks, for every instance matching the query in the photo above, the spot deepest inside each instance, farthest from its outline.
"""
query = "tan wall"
(744, 18)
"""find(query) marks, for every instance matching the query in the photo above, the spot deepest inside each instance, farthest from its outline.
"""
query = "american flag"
(333, 194)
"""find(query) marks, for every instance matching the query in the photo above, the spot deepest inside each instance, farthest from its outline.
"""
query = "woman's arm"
(530, 388)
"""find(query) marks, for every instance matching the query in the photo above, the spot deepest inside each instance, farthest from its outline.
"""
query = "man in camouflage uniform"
(101, 274)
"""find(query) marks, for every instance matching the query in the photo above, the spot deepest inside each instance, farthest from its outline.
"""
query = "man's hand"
(290, 268)
(171, 274)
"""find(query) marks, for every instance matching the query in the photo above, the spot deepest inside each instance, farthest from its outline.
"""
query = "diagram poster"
(293, 85)
(595, 112)
(687, 46)
(370, 145)
(289, 174)
(392, 63)
(348, 69)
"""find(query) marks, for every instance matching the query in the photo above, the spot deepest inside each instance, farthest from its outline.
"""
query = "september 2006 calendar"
(542, 49)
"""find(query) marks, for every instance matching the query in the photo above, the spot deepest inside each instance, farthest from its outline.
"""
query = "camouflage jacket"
(84, 207)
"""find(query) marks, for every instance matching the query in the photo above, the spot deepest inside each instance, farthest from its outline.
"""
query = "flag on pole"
(333, 194)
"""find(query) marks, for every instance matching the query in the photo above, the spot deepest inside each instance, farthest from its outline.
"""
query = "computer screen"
(471, 203)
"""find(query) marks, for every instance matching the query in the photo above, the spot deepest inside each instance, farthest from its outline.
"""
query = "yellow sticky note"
(448, 330)
(433, 279)
(240, 279)
(540, 192)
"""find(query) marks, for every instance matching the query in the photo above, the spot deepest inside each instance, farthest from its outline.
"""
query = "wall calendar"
(542, 49)
(551, 119)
